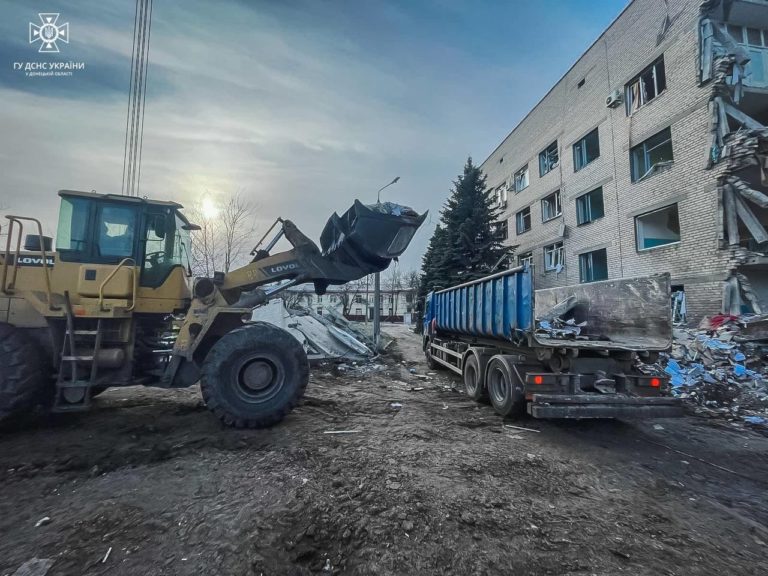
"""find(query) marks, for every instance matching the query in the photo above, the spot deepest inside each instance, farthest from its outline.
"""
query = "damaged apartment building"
(650, 155)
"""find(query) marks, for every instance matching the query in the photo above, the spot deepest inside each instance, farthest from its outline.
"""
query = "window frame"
(634, 177)
(501, 229)
(545, 157)
(525, 257)
(502, 193)
(582, 267)
(559, 201)
(518, 232)
(580, 150)
(523, 171)
(673, 242)
(554, 248)
(644, 100)
(588, 196)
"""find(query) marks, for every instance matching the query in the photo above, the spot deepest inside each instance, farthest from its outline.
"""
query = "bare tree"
(393, 283)
(411, 286)
(224, 238)
(295, 299)
(347, 294)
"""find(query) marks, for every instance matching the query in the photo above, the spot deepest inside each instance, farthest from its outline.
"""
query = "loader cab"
(109, 229)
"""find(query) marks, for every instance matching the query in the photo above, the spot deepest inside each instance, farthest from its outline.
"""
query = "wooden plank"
(705, 56)
(754, 196)
(751, 221)
(731, 222)
(739, 116)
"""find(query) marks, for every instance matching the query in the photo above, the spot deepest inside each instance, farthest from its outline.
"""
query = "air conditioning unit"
(614, 99)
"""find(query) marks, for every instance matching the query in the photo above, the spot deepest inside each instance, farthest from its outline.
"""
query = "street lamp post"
(377, 285)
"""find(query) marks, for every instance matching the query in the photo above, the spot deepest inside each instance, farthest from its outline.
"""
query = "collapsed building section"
(733, 59)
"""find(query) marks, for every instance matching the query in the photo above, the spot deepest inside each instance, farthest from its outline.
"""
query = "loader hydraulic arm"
(362, 241)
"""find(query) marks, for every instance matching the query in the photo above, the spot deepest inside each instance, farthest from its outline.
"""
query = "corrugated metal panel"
(494, 307)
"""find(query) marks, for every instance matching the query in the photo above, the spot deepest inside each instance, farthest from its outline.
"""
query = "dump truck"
(116, 304)
(566, 352)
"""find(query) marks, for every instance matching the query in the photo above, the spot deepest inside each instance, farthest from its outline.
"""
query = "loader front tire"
(24, 383)
(254, 376)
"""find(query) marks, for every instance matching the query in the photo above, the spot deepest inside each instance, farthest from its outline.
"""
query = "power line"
(137, 96)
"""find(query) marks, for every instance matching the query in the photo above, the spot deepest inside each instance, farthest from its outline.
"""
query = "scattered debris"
(721, 367)
(520, 428)
(34, 567)
(106, 556)
(396, 405)
(43, 521)
(342, 432)
(658, 427)
(321, 339)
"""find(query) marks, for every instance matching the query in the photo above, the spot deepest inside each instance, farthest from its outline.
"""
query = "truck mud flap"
(603, 406)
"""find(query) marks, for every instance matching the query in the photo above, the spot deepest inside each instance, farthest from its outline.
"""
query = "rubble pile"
(721, 368)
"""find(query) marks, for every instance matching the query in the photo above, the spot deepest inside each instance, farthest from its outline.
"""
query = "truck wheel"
(24, 382)
(431, 364)
(254, 376)
(504, 387)
(474, 380)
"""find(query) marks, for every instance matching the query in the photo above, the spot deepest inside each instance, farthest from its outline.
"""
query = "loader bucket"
(370, 236)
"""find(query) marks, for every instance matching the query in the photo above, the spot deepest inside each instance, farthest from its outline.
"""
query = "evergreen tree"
(465, 245)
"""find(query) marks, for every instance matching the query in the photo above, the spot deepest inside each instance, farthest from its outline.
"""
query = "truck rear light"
(538, 379)
(656, 382)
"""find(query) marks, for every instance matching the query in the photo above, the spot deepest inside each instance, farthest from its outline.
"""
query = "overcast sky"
(301, 105)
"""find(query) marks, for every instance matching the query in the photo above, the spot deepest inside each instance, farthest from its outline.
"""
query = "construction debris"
(721, 368)
(34, 567)
(321, 339)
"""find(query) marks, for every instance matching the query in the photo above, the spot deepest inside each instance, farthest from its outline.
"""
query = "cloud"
(303, 106)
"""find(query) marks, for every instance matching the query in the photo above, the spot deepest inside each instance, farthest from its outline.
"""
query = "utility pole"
(377, 286)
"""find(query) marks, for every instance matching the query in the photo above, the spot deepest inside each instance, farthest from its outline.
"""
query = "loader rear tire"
(254, 375)
(24, 382)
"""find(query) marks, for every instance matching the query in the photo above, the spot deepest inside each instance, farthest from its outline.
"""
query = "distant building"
(355, 302)
(648, 156)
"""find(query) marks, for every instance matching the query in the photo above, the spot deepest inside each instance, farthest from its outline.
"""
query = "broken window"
(550, 206)
(358, 299)
(501, 196)
(586, 150)
(523, 220)
(657, 228)
(755, 41)
(521, 179)
(645, 86)
(593, 266)
(650, 154)
(525, 258)
(589, 206)
(501, 230)
(554, 256)
(548, 158)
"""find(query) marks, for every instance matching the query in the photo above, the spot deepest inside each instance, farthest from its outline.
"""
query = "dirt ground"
(428, 483)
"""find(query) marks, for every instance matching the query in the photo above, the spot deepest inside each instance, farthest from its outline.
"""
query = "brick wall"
(575, 106)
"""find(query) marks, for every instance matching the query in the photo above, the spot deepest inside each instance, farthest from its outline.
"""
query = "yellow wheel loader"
(115, 304)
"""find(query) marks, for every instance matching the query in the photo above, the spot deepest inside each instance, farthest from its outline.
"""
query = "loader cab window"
(116, 231)
(165, 242)
(72, 232)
